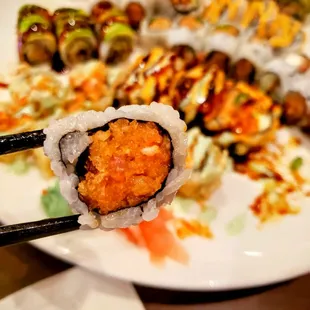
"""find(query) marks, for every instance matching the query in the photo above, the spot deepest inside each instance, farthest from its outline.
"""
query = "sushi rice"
(64, 154)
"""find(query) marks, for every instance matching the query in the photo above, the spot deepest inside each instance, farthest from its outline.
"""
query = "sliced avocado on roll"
(77, 46)
(117, 44)
(36, 41)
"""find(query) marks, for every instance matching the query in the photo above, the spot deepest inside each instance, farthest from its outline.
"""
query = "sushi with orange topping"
(118, 167)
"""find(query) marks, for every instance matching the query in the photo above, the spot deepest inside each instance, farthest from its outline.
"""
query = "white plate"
(74, 289)
(255, 257)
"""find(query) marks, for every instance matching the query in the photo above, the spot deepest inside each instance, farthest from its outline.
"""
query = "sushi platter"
(236, 72)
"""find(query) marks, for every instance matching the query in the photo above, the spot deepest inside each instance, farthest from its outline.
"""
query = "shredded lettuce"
(53, 203)
(237, 225)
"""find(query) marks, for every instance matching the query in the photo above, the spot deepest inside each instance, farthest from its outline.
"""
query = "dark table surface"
(22, 265)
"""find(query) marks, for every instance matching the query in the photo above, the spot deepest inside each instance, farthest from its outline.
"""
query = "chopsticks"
(21, 141)
(17, 233)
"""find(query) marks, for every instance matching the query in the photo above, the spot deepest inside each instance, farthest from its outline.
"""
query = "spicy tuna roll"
(36, 41)
(118, 167)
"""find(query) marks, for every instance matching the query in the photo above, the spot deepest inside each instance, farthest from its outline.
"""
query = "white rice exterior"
(222, 42)
(164, 115)
(256, 52)
(286, 67)
(182, 35)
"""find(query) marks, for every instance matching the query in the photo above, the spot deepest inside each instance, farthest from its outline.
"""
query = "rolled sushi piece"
(294, 108)
(208, 164)
(155, 31)
(185, 37)
(296, 103)
(196, 30)
(187, 53)
(270, 84)
(185, 6)
(223, 33)
(77, 42)
(105, 12)
(114, 32)
(136, 13)
(291, 68)
(240, 118)
(219, 59)
(149, 78)
(286, 34)
(256, 53)
(118, 167)
(36, 41)
(243, 70)
(223, 11)
(279, 31)
(295, 9)
(191, 89)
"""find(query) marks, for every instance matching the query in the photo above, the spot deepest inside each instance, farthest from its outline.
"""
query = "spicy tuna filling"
(126, 165)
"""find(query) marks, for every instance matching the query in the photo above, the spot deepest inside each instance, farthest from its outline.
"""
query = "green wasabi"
(53, 203)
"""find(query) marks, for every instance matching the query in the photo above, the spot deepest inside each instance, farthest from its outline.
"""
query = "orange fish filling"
(126, 165)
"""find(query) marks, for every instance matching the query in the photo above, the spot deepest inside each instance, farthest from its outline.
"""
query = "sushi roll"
(187, 53)
(77, 42)
(183, 30)
(223, 11)
(117, 167)
(114, 32)
(240, 117)
(181, 36)
(149, 78)
(281, 32)
(256, 53)
(296, 103)
(191, 89)
(243, 70)
(270, 84)
(160, 23)
(135, 12)
(294, 108)
(294, 9)
(155, 30)
(208, 164)
(191, 22)
(191, 28)
(291, 69)
(218, 59)
(223, 33)
(286, 34)
(259, 14)
(36, 41)
(185, 6)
